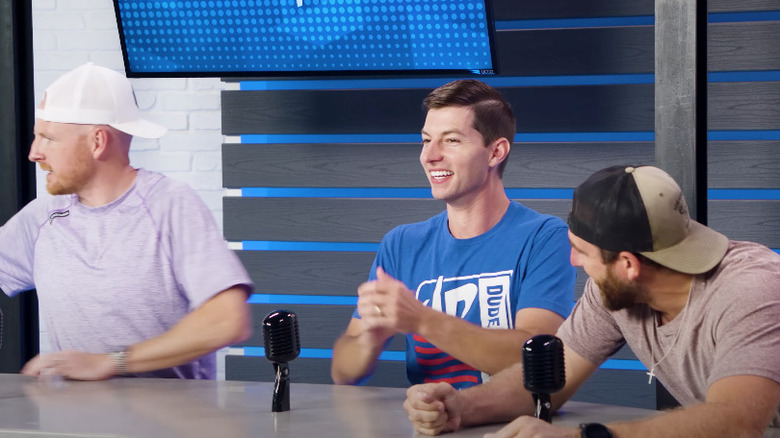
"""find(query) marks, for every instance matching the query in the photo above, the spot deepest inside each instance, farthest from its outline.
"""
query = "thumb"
(441, 390)
(381, 274)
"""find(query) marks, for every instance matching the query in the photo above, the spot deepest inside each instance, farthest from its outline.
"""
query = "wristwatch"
(594, 430)
(120, 361)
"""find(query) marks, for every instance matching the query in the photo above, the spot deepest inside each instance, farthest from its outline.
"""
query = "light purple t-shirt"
(115, 275)
(732, 327)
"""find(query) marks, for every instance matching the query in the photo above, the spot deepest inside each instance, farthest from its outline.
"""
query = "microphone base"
(543, 406)
(281, 397)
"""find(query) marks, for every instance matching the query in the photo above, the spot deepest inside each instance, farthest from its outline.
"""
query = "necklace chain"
(654, 364)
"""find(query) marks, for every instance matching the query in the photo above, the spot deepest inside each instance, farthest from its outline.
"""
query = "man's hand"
(530, 427)
(388, 306)
(433, 408)
(74, 365)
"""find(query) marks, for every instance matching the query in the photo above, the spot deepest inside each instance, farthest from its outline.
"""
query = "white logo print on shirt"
(457, 296)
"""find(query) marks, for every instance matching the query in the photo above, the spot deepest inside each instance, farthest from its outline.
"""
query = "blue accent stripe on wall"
(386, 193)
(545, 137)
(400, 356)
(325, 353)
(320, 300)
(537, 137)
(334, 192)
(386, 84)
(267, 245)
(733, 17)
(327, 300)
(425, 193)
(509, 81)
(744, 76)
(540, 137)
(568, 23)
(330, 138)
(623, 364)
(744, 194)
(743, 135)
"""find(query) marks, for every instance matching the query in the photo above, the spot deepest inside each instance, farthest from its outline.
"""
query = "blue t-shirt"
(523, 261)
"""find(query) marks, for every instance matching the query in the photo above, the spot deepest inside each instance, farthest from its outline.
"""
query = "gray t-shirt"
(115, 275)
(732, 327)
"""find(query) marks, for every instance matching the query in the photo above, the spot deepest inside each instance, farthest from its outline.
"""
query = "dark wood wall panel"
(744, 164)
(743, 46)
(597, 108)
(742, 5)
(757, 221)
(743, 105)
(537, 9)
(337, 219)
(307, 272)
(318, 325)
(541, 9)
(321, 219)
(308, 370)
(566, 165)
(619, 50)
(322, 165)
(543, 165)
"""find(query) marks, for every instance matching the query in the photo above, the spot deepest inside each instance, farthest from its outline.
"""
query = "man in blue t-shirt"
(484, 263)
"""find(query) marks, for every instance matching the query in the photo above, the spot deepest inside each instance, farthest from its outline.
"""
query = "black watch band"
(594, 430)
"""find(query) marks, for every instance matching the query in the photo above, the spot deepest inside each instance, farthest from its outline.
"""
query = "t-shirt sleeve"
(203, 264)
(590, 330)
(747, 336)
(547, 280)
(17, 247)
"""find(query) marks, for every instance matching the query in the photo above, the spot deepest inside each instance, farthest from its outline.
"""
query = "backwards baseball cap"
(94, 95)
(642, 210)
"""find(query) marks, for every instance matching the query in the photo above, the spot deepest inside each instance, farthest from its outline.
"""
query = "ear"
(99, 138)
(499, 151)
(629, 265)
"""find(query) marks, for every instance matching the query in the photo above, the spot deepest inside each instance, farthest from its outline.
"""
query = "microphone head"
(280, 332)
(543, 366)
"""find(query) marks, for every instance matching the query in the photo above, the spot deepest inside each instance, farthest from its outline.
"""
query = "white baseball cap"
(95, 95)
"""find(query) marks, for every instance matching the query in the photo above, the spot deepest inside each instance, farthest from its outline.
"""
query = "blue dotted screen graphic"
(268, 36)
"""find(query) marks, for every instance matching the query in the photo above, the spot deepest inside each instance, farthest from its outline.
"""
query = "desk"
(162, 408)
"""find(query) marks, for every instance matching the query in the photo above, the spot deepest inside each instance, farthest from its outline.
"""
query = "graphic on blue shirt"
(486, 293)
(482, 297)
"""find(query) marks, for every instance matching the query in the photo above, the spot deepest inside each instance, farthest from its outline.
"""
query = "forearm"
(224, 320)
(700, 421)
(478, 346)
(499, 400)
(355, 357)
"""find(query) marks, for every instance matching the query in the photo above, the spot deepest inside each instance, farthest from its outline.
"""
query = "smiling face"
(62, 150)
(454, 156)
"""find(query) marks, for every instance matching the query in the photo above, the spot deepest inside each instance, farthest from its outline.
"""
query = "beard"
(72, 180)
(617, 294)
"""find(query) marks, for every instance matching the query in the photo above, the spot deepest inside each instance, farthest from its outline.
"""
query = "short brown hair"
(493, 116)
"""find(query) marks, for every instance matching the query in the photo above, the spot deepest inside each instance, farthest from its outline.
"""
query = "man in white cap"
(132, 273)
(700, 311)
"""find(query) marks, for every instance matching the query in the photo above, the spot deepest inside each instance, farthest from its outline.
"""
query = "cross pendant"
(651, 374)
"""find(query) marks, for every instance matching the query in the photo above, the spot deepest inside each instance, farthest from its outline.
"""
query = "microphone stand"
(281, 398)
(543, 406)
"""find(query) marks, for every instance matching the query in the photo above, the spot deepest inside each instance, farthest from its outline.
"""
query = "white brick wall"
(68, 33)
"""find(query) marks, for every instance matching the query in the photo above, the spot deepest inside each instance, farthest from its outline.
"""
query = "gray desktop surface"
(127, 407)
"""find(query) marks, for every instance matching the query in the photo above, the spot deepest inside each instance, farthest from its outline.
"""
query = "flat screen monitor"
(213, 38)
